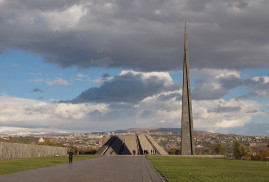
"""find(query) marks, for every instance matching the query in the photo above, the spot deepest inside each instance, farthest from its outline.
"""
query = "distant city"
(169, 138)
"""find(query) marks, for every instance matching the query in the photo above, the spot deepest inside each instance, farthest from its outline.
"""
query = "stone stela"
(187, 141)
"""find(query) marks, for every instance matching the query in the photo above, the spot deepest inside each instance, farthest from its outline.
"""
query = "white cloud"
(79, 75)
(162, 109)
(36, 74)
(140, 100)
(264, 79)
(18, 109)
(78, 111)
(27, 113)
(58, 81)
(147, 75)
(32, 131)
(217, 113)
(102, 80)
(38, 80)
(207, 73)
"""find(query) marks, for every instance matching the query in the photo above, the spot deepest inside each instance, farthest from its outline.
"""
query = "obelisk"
(187, 142)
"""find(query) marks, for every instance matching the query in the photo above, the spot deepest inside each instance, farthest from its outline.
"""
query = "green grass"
(16, 165)
(210, 169)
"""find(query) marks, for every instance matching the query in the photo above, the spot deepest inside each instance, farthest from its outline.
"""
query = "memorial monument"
(131, 144)
(187, 141)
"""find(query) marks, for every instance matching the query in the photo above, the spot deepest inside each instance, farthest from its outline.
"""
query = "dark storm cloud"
(212, 87)
(206, 91)
(132, 87)
(258, 83)
(128, 86)
(230, 82)
(139, 34)
(215, 86)
(258, 86)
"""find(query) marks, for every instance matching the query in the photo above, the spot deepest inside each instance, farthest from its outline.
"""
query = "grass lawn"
(210, 169)
(16, 165)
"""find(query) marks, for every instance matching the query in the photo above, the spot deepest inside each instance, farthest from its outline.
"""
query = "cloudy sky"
(102, 65)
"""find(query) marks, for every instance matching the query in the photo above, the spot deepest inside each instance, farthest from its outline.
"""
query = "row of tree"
(243, 152)
(240, 151)
(218, 149)
(76, 150)
(85, 151)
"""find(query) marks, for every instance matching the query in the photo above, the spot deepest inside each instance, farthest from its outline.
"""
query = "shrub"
(90, 150)
(262, 155)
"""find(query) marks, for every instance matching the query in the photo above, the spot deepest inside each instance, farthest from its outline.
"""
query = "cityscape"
(169, 140)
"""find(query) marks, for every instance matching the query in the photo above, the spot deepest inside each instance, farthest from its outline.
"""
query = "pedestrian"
(70, 157)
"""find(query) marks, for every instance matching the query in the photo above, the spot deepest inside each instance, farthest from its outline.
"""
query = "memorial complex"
(131, 144)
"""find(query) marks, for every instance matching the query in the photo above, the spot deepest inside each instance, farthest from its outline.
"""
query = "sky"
(102, 65)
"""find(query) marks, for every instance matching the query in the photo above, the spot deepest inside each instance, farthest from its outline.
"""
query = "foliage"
(207, 151)
(175, 168)
(20, 139)
(174, 151)
(241, 151)
(220, 149)
(262, 155)
(16, 165)
(48, 143)
(88, 151)
(74, 149)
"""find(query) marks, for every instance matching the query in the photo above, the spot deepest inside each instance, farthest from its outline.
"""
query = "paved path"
(102, 169)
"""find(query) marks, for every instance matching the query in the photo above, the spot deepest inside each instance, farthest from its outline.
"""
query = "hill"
(155, 130)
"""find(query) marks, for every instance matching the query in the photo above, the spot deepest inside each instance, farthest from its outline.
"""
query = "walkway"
(102, 169)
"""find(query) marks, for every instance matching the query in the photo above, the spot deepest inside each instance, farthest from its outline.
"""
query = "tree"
(48, 142)
(174, 151)
(220, 149)
(207, 151)
(262, 155)
(241, 151)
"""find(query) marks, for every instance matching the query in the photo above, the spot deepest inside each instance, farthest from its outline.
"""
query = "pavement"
(102, 169)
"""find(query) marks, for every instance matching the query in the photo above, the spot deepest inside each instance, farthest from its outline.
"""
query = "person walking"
(70, 157)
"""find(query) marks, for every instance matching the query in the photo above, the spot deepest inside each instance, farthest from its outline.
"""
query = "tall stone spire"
(187, 141)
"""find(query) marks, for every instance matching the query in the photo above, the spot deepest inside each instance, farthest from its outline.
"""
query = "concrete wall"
(16, 150)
